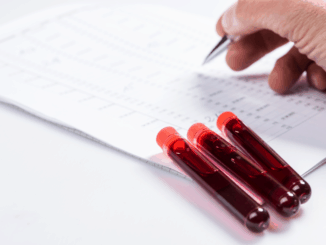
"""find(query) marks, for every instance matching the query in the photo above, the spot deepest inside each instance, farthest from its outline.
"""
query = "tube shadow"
(206, 205)
(218, 215)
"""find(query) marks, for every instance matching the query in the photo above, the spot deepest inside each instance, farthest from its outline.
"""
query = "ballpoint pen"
(222, 45)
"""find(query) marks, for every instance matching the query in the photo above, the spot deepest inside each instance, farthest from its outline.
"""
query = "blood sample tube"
(210, 178)
(255, 148)
(225, 155)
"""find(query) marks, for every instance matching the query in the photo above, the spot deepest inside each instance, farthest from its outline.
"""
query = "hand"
(265, 25)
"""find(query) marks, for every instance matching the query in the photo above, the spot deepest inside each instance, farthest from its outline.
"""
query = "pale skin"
(264, 25)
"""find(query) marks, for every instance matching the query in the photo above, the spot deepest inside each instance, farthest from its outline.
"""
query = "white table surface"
(59, 188)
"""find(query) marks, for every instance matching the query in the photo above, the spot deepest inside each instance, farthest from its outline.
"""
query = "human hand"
(265, 25)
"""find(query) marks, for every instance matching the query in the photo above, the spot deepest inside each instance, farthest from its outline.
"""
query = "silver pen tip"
(218, 49)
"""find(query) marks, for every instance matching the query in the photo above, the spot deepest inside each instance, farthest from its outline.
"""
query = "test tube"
(255, 148)
(218, 150)
(211, 179)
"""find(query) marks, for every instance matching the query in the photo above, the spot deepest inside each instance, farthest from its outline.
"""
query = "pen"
(222, 153)
(255, 148)
(222, 45)
(211, 179)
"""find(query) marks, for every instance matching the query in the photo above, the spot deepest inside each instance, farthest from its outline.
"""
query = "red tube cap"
(164, 134)
(193, 131)
(224, 118)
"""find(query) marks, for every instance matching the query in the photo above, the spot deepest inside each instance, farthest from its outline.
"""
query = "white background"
(59, 188)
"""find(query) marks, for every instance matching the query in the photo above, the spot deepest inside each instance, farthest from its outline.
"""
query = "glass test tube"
(221, 152)
(211, 179)
(255, 148)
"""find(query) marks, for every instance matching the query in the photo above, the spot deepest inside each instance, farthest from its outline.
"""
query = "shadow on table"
(217, 214)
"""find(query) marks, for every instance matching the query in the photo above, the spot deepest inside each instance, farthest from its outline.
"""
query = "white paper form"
(120, 75)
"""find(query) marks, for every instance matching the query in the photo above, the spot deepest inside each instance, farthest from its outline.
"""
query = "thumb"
(232, 25)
